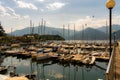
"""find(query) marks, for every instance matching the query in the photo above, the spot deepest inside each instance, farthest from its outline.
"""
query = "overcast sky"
(16, 14)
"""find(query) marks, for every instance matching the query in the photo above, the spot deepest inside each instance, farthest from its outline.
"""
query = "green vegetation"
(36, 37)
(2, 31)
(28, 38)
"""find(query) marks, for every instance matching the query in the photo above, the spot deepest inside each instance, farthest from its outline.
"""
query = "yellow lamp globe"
(110, 4)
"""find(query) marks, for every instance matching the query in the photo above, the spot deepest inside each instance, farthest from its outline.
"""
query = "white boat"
(89, 60)
(17, 78)
(3, 77)
(92, 60)
(3, 69)
(96, 54)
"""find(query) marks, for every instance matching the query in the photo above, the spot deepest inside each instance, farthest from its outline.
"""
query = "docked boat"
(17, 78)
(89, 60)
(92, 60)
(47, 50)
(42, 57)
(40, 50)
(3, 69)
(3, 77)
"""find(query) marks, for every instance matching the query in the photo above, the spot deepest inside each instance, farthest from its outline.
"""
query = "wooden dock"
(113, 70)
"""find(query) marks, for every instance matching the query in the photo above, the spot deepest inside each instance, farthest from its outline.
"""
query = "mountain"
(48, 30)
(89, 34)
(117, 35)
(114, 27)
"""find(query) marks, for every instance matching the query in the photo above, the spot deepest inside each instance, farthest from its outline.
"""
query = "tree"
(2, 31)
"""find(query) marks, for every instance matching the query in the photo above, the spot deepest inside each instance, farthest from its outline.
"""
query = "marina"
(59, 40)
(56, 71)
(56, 61)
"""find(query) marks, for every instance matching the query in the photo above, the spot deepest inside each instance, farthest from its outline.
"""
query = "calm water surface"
(56, 71)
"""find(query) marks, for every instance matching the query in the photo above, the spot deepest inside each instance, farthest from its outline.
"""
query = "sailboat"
(3, 69)
(89, 60)
(3, 77)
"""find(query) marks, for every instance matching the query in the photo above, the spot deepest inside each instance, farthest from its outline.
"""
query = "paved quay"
(117, 63)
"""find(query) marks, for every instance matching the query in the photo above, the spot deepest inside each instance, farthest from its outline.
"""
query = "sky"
(16, 14)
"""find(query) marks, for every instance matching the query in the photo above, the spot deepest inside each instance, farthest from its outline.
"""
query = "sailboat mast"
(83, 34)
(39, 28)
(30, 30)
(63, 30)
(106, 31)
(74, 32)
(33, 29)
(11, 31)
(44, 26)
(68, 31)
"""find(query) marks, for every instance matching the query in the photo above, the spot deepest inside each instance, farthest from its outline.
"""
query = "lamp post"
(110, 4)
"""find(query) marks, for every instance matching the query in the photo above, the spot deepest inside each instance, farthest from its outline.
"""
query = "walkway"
(117, 62)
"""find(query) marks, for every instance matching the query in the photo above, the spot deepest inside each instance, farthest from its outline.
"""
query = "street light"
(110, 4)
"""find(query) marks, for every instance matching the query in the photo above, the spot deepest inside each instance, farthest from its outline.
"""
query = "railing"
(110, 69)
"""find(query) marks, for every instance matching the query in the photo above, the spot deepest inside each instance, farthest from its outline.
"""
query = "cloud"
(88, 21)
(26, 17)
(12, 13)
(5, 14)
(10, 9)
(41, 0)
(22, 4)
(55, 5)
(9, 12)
(41, 10)
(19, 17)
(2, 9)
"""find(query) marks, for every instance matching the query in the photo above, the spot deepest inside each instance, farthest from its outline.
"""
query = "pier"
(113, 69)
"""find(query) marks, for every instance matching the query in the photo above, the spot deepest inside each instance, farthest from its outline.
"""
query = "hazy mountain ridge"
(114, 27)
(48, 30)
(89, 33)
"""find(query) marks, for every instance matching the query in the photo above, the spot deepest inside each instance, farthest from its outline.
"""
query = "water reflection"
(49, 70)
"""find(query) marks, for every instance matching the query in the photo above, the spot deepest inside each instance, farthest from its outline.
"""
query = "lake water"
(50, 70)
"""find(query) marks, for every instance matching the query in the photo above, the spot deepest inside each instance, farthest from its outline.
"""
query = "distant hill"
(117, 35)
(90, 34)
(114, 27)
(48, 30)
